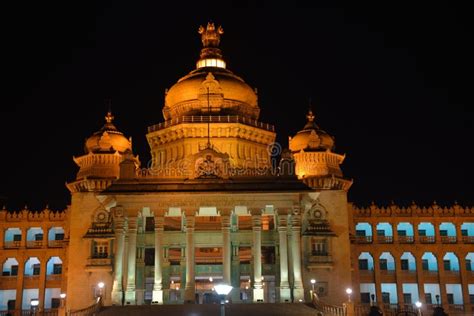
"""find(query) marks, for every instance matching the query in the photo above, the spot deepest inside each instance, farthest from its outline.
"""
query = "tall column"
(298, 290)
(464, 276)
(420, 276)
(158, 282)
(285, 293)
(132, 257)
(399, 275)
(42, 282)
(257, 258)
(226, 249)
(19, 281)
(377, 278)
(189, 290)
(117, 287)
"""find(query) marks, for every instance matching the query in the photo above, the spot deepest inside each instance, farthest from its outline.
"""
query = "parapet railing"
(327, 309)
(212, 119)
(91, 310)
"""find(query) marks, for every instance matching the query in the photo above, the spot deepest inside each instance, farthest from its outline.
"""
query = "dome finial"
(210, 36)
(109, 117)
(310, 115)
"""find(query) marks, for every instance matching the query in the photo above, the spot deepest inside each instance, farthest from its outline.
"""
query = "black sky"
(392, 84)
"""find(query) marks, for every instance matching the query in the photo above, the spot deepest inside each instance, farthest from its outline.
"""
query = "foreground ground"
(211, 310)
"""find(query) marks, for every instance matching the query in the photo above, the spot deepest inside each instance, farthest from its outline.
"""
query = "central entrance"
(205, 293)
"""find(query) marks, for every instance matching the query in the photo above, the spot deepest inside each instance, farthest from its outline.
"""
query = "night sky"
(392, 84)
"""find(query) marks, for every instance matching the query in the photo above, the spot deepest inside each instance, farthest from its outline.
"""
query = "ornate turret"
(316, 163)
(104, 151)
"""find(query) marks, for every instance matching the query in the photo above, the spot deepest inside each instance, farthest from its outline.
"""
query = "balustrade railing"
(427, 239)
(91, 310)
(328, 309)
(448, 239)
(212, 119)
(468, 239)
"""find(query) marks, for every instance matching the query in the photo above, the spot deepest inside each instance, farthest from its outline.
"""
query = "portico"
(223, 241)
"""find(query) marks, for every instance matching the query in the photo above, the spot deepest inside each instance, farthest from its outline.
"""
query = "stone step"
(261, 309)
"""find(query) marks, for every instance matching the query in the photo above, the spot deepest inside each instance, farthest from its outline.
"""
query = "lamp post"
(349, 292)
(100, 286)
(223, 290)
(313, 282)
(34, 306)
(418, 306)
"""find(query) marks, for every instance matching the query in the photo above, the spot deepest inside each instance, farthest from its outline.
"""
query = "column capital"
(190, 220)
(132, 223)
(282, 222)
(225, 221)
(295, 222)
(256, 222)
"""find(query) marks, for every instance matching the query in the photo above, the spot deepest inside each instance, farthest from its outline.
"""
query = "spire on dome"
(210, 36)
(211, 55)
(109, 117)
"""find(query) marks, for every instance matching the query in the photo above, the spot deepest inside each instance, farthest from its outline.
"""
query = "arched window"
(426, 232)
(384, 233)
(55, 236)
(451, 262)
(54, 266)
(470, 261)
(10, 267)
(363, 233)
(429, 262)
(32, 266)
(12, 238)
(405, 232)
(467, 232)
(387, 262)
(407, 262)
(366, 261)
(34, 237)
(447, 232)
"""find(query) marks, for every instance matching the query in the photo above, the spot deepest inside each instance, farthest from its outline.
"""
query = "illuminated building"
(216, 206)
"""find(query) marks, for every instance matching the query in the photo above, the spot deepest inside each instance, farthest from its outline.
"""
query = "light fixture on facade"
(349, 292)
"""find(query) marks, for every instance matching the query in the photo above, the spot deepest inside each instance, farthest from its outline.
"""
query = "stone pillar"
(399, 276)
(442, 275)
(117, 287)
(377, 278)
(2, 237)
(19, 282)
(42, 282)
(158, 282)
(226, 249)
(285, 293)
(464, 276)
(132, 257)
(235, 273)
(420, 276)
(189, 290)
(257, 258)
(298, 290)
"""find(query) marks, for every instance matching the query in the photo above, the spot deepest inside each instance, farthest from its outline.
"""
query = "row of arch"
(408, 261)
(33, 234)
(32, 266)
(406, 229)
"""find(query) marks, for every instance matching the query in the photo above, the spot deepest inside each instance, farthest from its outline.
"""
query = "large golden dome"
(210, 87)
(311, 138)
(108, 139)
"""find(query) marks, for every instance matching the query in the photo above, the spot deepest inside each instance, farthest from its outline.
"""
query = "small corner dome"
(311, 138)
(108, 139)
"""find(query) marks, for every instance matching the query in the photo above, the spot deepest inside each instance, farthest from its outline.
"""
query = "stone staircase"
(262, 309)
